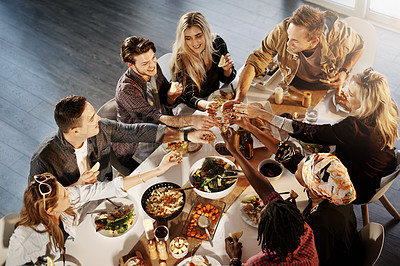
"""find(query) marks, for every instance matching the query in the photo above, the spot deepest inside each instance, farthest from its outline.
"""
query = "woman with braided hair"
(284, 236)
(328, 214)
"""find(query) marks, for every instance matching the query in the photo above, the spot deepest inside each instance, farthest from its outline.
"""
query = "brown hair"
(133, 46)
(310, 18)
(68, 112)
(33, 212)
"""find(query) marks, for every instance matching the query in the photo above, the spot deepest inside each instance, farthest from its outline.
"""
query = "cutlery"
(181, 189)
(231, 176)
(234, 170)
(97, 211)
(203, 222)
(113, 203)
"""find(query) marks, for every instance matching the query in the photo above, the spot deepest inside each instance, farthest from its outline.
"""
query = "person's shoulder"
(48, 144)
(26, 234)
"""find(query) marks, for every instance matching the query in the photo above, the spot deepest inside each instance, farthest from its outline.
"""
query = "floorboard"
(53, 48)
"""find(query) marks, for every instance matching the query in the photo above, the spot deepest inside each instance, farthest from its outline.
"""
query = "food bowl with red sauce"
(271, 169)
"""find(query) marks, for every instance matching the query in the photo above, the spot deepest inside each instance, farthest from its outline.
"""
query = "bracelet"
(185, 135)
(344, 70)
(235, 262)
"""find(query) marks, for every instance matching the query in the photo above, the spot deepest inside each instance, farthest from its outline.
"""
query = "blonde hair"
(33, 212)
(377, 107)
(184, 62)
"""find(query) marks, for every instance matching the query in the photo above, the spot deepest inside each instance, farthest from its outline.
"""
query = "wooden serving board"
(291, 105)
(175, 225)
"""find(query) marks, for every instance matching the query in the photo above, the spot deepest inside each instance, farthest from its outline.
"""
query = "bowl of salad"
(208, 176)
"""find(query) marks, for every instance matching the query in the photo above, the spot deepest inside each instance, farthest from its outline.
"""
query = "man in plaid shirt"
(144, 95)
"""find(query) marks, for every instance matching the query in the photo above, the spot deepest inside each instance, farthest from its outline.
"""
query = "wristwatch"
(185, 134)
(344, 70)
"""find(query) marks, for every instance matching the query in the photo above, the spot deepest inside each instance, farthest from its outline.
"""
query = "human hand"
(227, 67)
(170, 159)
(231, 140)
(202, 136)
(88, 177)
(241, 122)
(246, 110)
(233, 248)
(338, 80)
(212, 107)
(174, 91)
(229, 105)
(203, 122)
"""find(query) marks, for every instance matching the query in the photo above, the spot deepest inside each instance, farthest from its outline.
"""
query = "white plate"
(105, 205)
(246, 218)
(243, 214)
(338, 107)
(192, 147)
(211, 260)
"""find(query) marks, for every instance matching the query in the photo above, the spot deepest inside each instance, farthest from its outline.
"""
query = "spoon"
(204, 223)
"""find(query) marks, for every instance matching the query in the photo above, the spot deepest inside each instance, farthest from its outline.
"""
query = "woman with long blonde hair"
(364, 140)
(50, 212)
(194, 63)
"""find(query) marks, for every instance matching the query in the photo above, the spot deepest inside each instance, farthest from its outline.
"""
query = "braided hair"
(280, 228)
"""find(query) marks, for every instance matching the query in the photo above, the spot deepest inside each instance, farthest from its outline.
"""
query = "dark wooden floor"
(53, 48)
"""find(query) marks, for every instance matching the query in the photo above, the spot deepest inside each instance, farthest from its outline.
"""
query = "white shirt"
(27, 245)
(82, 158)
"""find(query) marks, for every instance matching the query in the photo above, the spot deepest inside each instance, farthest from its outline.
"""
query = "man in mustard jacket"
(312, 47)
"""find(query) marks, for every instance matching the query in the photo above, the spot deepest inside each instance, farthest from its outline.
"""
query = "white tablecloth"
(91, 248)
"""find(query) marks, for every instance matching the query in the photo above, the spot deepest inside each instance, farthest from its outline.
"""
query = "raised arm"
(169, 160)
(260, 184)
(270, 142)
(245, 79)
(198, 136)
(199, 121)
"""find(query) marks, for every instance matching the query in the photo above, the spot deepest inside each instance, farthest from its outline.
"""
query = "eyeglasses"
(44, 188)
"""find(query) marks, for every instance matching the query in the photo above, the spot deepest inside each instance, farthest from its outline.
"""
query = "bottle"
(248, 146)
(241, 132)
(162, 250)
(245, 143)
(151, 245)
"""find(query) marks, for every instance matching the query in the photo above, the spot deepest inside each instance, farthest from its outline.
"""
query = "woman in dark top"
(364, 140)
(195, 58)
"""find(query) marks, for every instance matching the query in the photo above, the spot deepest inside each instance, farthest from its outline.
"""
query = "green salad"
(208, 177)
(116, 221)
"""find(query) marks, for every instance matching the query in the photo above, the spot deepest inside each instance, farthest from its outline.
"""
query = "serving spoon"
(204, 223)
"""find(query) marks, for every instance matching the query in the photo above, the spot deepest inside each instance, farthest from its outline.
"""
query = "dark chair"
(109, 111)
